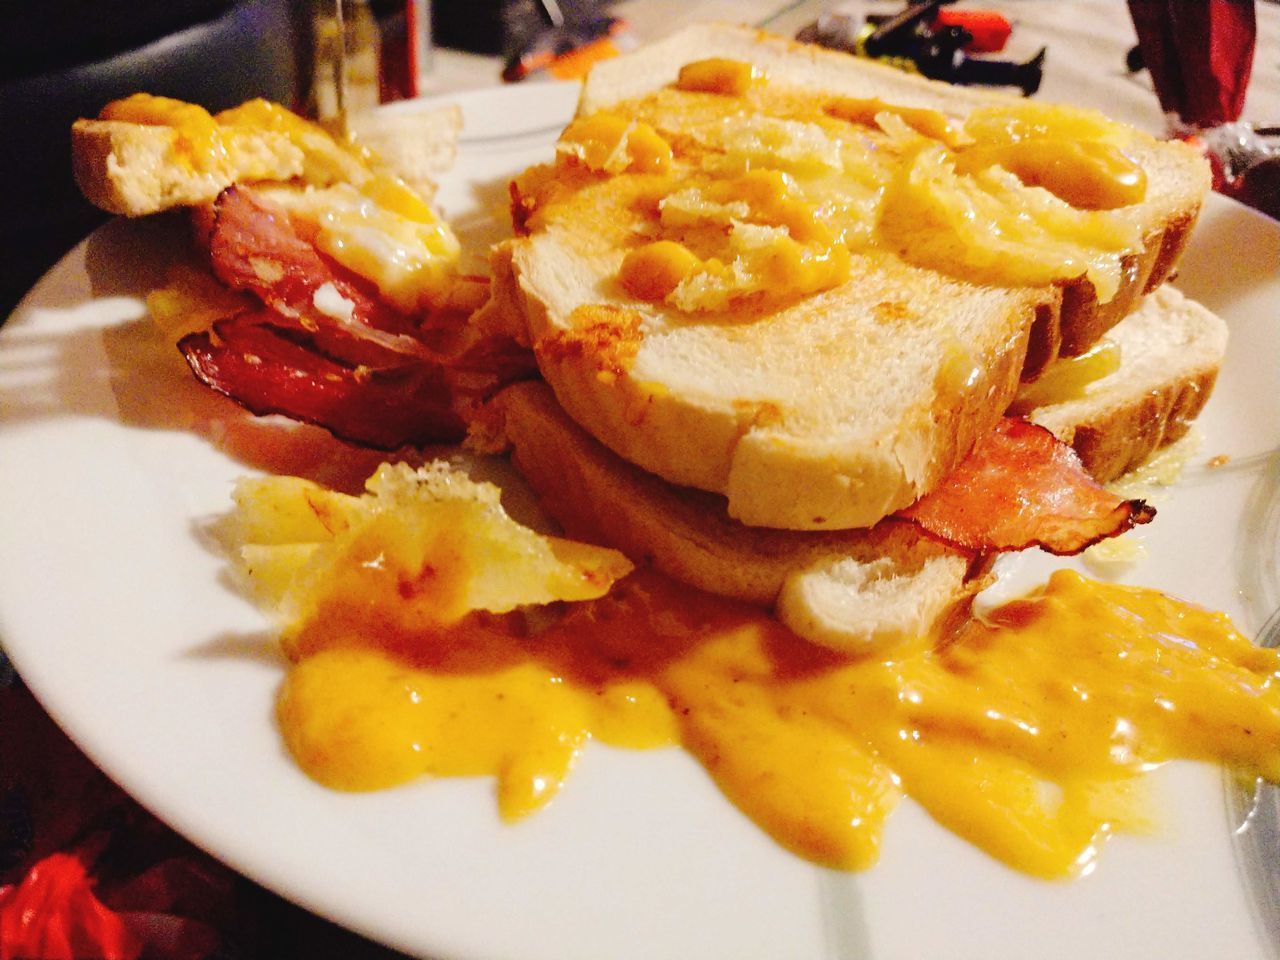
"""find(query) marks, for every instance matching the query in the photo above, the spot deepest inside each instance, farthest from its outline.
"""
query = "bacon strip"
(1022, 487)
(254, 246)
(259, 362)
(378, 379)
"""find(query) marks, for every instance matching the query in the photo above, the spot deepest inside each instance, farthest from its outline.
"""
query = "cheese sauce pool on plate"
(1023, 736)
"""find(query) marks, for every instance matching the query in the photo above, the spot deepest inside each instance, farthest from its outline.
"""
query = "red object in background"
(1200, 57)
(53, 915)
(404, 51)
(69, 836)
(417, 43)
(990, 30)
(1199, 54)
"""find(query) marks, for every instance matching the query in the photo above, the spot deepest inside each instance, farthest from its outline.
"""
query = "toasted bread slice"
(877, 585)
(136, 169)
(1170, 349)
(827, 412)
(1179, 176)
(866, 589)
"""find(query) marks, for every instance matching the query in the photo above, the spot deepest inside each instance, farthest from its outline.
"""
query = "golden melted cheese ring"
(1087, 174)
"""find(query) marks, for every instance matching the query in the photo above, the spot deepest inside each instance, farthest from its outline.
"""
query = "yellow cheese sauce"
(410, 256)
(772, 187)
(1022, 736)
(198, 139)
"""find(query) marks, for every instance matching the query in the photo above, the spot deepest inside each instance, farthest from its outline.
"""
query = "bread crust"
(92, 155)
(686, 533)
(1123, 439)
(1173, 243)
(135, 170)
(1083, 321)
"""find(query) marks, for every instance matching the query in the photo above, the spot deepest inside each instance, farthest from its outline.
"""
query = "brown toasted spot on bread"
(766, 415)
(607, 336)
(528, 192)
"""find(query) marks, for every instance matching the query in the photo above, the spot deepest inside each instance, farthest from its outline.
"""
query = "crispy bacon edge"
(1022, 487)
(259, 365)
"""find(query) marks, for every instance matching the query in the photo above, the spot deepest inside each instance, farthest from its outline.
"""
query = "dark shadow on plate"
(262, 647)
(130, 257)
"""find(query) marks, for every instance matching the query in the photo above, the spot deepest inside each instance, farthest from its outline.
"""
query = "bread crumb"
(1221, 460)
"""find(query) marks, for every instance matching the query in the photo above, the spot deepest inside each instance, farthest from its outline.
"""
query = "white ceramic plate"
(117, 615)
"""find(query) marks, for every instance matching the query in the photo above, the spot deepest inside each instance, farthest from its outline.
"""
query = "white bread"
(822, 414)
(1179, 176)
(829, 414)
(906, 582)
(135, 169)
(1171, 348)
(853, 590)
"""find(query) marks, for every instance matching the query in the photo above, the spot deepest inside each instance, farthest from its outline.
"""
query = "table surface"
(1087, 41)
